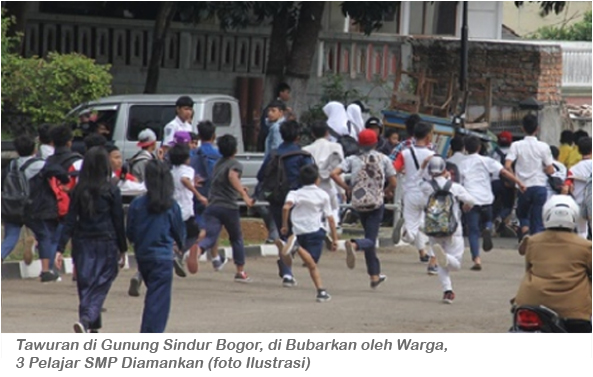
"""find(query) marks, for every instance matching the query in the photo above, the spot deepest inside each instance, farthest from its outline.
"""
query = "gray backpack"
(367, 191)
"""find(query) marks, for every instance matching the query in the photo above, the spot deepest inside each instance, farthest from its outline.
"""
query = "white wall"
(484, 19)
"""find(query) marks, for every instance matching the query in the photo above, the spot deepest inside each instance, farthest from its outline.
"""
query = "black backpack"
(16, 192)
(348, 143)
(275, 185)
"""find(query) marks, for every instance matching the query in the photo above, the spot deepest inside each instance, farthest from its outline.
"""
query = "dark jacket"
(43, 205)
(107, 223)
(153, 234)
(292, 165)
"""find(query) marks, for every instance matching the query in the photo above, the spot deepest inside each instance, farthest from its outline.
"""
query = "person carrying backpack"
(203, 162)
(137, 164)
(442, 223)
(278, 175)
(370, 170)
(16, 191)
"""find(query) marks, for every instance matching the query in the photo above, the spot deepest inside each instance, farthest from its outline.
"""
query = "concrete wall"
(527, 19)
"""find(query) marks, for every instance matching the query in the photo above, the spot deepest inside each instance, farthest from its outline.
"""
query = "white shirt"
(411, 182)
(173, 126)
(460, 194)
(311, 208)
(476, 174)
(182, 195)
(457, 158)
(580, 172)
(45, 151)
(327, 155)
(532, 157)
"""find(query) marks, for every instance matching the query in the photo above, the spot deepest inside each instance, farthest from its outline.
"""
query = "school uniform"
(311, 208)
(577, 176)
(414, 201)
(327, 156)
(153, 236)
(98, 239)
(370, 220)
(476, 172)
(531, 156)
(185, 199)
(174, 126)
(452, 245)
(504, 192)
(560, 172)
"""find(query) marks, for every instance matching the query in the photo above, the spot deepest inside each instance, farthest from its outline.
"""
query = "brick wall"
(518, 70)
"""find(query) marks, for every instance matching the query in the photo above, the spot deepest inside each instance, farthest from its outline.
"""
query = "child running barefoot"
(223, 210)
(309, 205)
(449, 249)
(154, 223)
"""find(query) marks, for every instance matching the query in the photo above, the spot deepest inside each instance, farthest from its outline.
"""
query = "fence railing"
(576, 64)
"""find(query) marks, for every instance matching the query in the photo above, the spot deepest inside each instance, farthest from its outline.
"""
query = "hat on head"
(506, 137)
(373, 122)
(184, 101)
(436, 165)
(180, 137)
(146, 137)
(367, 138)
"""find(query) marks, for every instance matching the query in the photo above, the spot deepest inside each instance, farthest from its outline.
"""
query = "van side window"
(154, 117)
(221, 114)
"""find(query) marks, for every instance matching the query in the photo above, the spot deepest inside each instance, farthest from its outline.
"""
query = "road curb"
(19, 270)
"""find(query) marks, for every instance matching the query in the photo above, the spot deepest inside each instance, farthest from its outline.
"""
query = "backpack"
(556, 183)
(348, 143)
(140, 156)
(16, 192)
(367, 191)
(586, 204)
(439, 220)
(505, 181)
(275, 185)
(61, 195)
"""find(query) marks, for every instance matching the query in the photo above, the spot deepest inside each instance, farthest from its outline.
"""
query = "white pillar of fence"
(576, 64)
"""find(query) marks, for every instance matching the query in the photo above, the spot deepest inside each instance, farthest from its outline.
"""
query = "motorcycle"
(536, 319)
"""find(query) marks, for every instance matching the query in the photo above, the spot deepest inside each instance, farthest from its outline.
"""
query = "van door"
(146, 115)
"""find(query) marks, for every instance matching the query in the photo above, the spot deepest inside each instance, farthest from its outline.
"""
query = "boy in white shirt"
(533, 164)
(577, 179)
(448, 250)
(184, 108)
(309, 207)
(476, 174)
(409, 161)
(185, 190)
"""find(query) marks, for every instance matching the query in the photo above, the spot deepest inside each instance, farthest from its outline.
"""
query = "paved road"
(210, 302)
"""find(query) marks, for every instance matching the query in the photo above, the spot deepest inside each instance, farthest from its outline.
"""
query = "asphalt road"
(211, 302)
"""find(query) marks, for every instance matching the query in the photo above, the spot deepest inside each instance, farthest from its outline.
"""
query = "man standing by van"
(184, 108)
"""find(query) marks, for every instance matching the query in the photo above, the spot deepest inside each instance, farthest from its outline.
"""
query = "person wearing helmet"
(558, 266)
(448, 250)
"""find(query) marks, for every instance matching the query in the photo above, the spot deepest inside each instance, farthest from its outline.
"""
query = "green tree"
(46, 89)
(579, 31)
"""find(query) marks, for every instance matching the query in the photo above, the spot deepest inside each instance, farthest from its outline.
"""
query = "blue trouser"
(371, 222)
(505, 199)
(215, 218)
(158, 277)
(276, 213)
(12, 233)
(96, 263)
(313, 243)
(47, 233)
(530, 205)
(478, 218)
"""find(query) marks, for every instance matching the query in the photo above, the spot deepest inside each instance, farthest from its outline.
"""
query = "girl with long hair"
(95, 222)
(154, 223)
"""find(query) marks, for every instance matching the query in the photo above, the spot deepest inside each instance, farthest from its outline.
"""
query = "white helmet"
(436, 165)
(560, 211)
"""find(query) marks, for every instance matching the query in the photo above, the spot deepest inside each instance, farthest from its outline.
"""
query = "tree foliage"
(546, 7)
(579, 31)
(46, 89)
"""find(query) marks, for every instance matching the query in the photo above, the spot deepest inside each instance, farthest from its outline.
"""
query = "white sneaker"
(439, 253)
